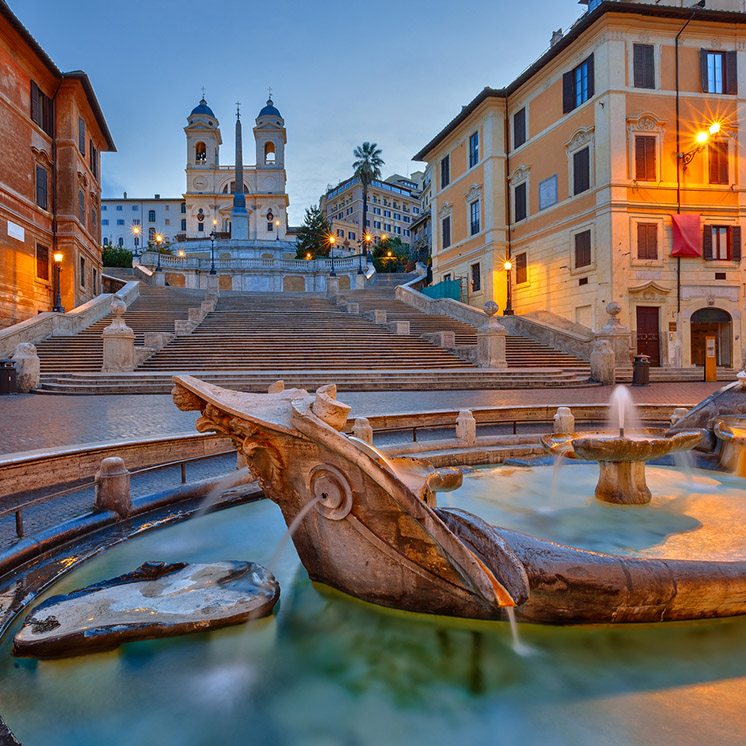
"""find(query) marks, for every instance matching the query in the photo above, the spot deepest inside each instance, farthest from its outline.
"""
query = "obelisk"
(239, 216)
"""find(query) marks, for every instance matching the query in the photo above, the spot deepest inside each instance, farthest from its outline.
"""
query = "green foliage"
(113, 256)
(368, 162)
(313, 235)
(390, 255)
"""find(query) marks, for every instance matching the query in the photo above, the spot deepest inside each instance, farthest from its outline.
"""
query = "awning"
(687, 235)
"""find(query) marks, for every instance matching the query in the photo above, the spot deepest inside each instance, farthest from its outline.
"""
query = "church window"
(151, 216)
(200, 153)
(269, 153)
(201, 227)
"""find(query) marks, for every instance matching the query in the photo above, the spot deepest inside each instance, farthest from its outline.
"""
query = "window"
(135, 221)
(521, 207)
(519, 128)
(119, 208)
(183, 208)
(134, 208)
(445, 231)
(41, 187)
(82, 272)
(474, 217)
(377, 224)
(93, 158)
(719, 73)
(106, 241)
(81, 206)
(200, 227)
(42, 109)
(167, 221)
(137, 241)
(581, 162)
(270, 226)
(151, 216)
(120, 221)
(42, 262)
(722, 242)
(200, 153)
(476, 278)
(81, 135)
(183, 224)
(120, 241)
(521, 268)
(445, 172)
(151, 234)
(105, 221)
(643, 64)
(473, 150)
(447, 277)
(104, 208)
(582, 249)
(647, 241)
(718, 157)
(548, 192)
(387, 213)
(578, 85)
(95, 282)
(94, 219)
(645, 158)
(269, 153)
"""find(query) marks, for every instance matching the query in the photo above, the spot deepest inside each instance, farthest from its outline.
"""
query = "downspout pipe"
(508, 211)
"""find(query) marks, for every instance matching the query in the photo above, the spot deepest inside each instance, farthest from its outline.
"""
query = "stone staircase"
(521, 352)
(155, 310)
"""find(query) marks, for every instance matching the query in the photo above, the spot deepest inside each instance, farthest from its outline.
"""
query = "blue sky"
(341, 71)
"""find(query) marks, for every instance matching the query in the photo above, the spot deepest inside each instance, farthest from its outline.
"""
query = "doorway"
(712, 322)
(648, 333)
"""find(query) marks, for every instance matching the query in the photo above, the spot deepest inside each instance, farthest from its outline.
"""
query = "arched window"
(231, 187)
(151, 234)
(200, 153)
(269, 153)
(106, 241)
(120, 242)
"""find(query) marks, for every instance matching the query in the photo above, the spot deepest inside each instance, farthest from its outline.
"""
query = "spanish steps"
(251, 339)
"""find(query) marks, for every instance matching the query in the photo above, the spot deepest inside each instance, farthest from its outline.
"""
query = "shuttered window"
(476, 278)
(474, 217)
(581, 171)
(717, 152)
(645, 158)
(521, 268)
(521, 208)
(722, 242)
(445, 172)
(519, 128)
(644, 65)
(582, 249)
(81, 135)
(473, 149)
(42, 262)
(647, 241)
(719, 72)
(445, 231)
(41, 187)
(578, 85)
(42, 110)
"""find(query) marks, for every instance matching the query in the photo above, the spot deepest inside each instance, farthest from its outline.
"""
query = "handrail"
(150, 258)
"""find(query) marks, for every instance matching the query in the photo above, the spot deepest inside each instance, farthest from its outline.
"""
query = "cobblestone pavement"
(47, 421)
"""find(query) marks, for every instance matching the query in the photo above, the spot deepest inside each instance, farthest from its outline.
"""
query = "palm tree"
(367, 167)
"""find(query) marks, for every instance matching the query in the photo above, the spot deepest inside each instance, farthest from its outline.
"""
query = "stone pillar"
(603, 362)
(28, 367)
(332, 286)
(491, 340)
(618, 336)
(113, 487)
(353, 308)
(213, 287)
(119, 342)
(378, 316)
(360, 282)
(564, 421)
(362, 430)
(400, 328)
(466, 428)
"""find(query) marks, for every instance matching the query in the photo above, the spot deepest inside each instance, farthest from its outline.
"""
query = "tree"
(367, 167)
(390, 255)
(114, 256)
(313, 235)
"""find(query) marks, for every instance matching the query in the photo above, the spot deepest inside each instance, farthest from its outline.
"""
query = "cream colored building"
(583, 193)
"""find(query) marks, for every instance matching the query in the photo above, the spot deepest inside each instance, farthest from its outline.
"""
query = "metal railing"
(182, 463)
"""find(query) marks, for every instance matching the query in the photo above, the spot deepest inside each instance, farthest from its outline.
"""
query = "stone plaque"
(548, 192)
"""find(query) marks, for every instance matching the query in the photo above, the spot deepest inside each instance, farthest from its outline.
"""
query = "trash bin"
(8, 377)
(641, 370)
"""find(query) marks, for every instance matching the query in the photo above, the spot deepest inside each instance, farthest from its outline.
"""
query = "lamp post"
(57, 256)
(277, 229)
(158, 242)
(367, 238)
(701, 139)
(508, 266)
(389, 257)
(212, 253)
(136, 234)
(332, 242)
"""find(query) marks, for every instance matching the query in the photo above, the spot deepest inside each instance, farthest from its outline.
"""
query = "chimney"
(157, 196)
(125, 195)
(556, 36)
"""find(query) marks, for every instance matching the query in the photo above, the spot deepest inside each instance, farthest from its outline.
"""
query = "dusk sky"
(341, 72)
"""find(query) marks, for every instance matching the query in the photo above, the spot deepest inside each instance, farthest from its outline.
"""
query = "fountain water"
(623, 416)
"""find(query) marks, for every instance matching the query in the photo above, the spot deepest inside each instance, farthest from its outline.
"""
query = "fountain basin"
(621, 459)
(731, 431)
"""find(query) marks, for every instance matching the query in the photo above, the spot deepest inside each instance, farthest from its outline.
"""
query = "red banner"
(687, 235)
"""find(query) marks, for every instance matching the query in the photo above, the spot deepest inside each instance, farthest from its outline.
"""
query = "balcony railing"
(342, 264)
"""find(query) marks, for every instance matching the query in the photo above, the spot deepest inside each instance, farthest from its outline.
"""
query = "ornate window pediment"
(445, 209)
(520, 174)
(582, 137)
(475, 192)
(650, 290)
(646, 122)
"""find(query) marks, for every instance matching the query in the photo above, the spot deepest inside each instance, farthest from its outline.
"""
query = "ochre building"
(610, 170)
(52, 132)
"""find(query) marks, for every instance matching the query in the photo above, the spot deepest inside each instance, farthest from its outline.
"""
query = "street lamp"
(212, 253)
(367, 238)
(158, 242)
(136, 234)
(277, 229)
(332, 242)
(57, 256)
(508, 266)
(701, 139)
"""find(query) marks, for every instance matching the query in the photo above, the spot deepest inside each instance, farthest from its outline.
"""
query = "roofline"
(586, 21)
(78, 75)
(143, 199)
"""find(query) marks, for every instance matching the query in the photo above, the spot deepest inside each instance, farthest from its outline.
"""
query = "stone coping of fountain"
(731, 428)
(643, 445)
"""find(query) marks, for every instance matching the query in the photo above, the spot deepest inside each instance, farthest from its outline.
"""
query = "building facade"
(52, 132)
(133, 223)
(393, 205)
(611, 170)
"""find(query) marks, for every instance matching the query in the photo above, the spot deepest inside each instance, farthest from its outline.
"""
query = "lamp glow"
(508, 265)
(57, 256)
(702, 137)
(714, 128)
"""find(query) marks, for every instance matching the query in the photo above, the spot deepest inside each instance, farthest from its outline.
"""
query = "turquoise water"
(327, 670)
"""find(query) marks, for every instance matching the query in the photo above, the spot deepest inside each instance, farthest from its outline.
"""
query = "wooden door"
(648, 333)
